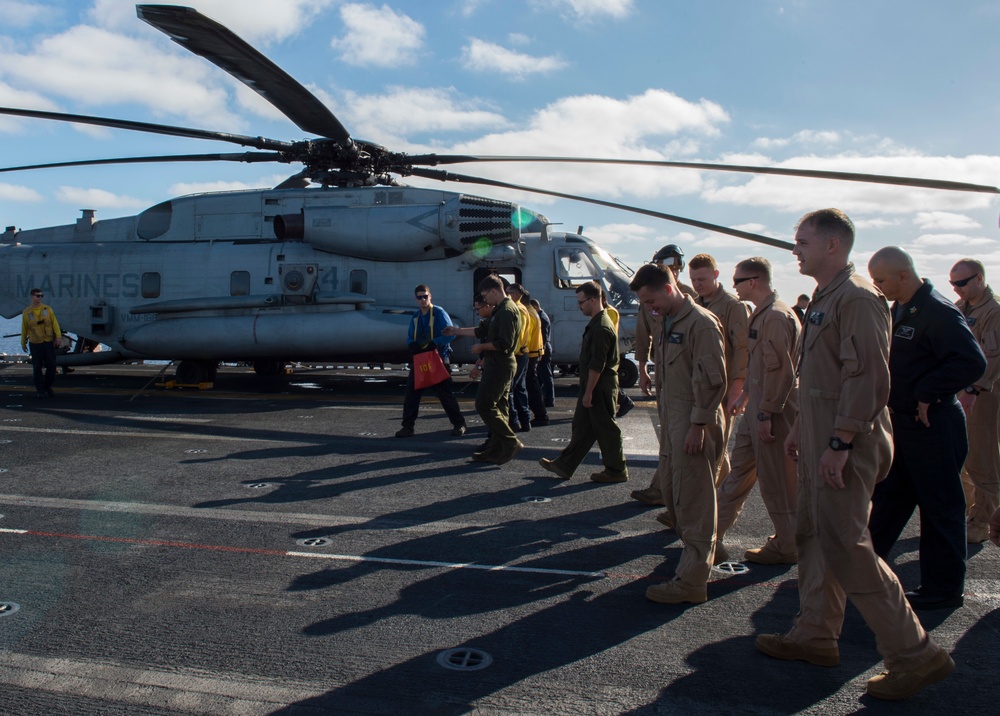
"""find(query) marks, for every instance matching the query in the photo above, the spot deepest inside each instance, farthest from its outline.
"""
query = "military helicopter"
(322, 266)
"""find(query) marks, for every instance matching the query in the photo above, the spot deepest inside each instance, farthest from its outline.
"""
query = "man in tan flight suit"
(647, 335)
(842, 444)
(690, 360)
(733, 313)
(981, 474)
(769, 400)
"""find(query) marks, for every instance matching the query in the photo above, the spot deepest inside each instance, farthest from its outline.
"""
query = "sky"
(901, 87)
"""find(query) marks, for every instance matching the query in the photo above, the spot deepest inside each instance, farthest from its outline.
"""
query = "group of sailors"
(856, 413)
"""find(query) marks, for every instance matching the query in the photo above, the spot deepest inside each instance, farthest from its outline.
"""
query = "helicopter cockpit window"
(149, 284)
(359, 282)
(574, 266)
(616, 280)
(154, 222)
(239, 283)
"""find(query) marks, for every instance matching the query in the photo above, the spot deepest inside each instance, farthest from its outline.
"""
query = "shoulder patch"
(673, 337)
(752, 333)
(971, 320)
(816, 317)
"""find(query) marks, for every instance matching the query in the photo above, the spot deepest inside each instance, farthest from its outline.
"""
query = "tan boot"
(781, 647)
(605, 476)
(676, 592)
(651, 496)
(896, 685)
(976, 533)
(769, 554)
(664, 519)
(555, 468)
(721, 554)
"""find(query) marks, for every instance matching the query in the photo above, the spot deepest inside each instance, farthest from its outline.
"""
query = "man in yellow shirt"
(40, 331)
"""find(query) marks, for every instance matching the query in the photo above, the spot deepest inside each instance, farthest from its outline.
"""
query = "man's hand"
(966, 400)
(831, 467)
(764, 433)
(477, 348)
(694, 442)
(738, 403)
(792, 443)
(645, 382)
(449, 331)
(922, 414)
(475, 373)
(588, 399)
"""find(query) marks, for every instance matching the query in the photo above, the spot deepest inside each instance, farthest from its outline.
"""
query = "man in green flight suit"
(594, 418)
(501, 333)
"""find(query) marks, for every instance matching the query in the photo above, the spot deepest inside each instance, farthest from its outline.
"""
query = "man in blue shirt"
(425, 333)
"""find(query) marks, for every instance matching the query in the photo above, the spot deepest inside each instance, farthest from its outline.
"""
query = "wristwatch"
(763, 417)
(972, 390)
(839, 445)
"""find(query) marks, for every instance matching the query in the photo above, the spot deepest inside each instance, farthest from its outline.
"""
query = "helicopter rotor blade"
(149, 127)
(435, 159)
(441, 175)
(223, 48)
(248, 157)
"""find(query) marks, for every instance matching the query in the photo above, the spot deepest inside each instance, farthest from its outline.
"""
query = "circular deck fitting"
(3, 469)
(368, 435)
(8, 608)
(464, 659)
(731, 568)
(304, 417)
(12, 420)
(6, 442)
(561, 440)
(314, 542)
(258, 485)
(536, 498)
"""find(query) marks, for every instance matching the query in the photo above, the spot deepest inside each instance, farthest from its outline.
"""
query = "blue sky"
(893, 87)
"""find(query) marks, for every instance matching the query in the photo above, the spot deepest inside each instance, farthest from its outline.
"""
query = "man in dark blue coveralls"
(932, 357)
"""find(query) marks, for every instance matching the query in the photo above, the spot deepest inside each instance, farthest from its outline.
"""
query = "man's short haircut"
(491, 283)
(421, 288)
(803, 297)
(33, 291)
(590, 289)
(702, 261)
(652, 276)
(535, 304)
(478, 300)
(973, 265)
(756, 264)
(830, 224)
(516, 288)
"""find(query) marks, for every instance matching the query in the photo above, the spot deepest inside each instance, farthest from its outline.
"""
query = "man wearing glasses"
(594, 417)
(40, 331)
(982, 407)
(426, 331)
(769, 400)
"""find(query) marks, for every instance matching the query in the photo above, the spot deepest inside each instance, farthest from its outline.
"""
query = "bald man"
(933, 356)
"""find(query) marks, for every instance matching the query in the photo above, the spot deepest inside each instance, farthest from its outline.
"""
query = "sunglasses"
(962, 282)
(422, 296)
(738, 281)
(42, 295)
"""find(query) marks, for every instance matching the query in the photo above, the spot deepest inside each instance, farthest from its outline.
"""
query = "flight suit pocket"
(991, 344)
(850, 358)
(772, 361)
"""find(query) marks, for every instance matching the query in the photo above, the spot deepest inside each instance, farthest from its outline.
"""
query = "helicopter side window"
(574, 266)
(239, 283)
(149, 284)
(359, 282)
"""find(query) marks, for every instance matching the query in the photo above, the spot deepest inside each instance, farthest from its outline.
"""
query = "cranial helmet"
(670, 255)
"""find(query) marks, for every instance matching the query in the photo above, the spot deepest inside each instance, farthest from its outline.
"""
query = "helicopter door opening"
(574, 266)
(508, 276)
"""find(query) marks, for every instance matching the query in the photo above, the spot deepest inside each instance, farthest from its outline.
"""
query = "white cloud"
(15, 193)
(378, 37)
(470, 7)
(269, 21)
(483, 56)
(96, 67)
(184, 188)
(96, 198)
(403, 110)
(957, 241)
(591, 9)
(806, 136)
(518, 38)
(945, 221)
(612, 234)
(16, 15)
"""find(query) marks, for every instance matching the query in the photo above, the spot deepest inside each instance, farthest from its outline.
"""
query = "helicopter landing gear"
(628, 373)
(193, 372)
(268, 367)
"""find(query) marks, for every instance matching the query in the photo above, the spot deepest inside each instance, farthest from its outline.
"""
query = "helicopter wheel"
(628, 373)
(268, 367)
(191, 372)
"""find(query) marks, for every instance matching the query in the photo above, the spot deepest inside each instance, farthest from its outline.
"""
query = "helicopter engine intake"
(405, 231)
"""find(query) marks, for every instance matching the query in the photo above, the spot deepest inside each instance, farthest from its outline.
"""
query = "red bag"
(429, 369)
